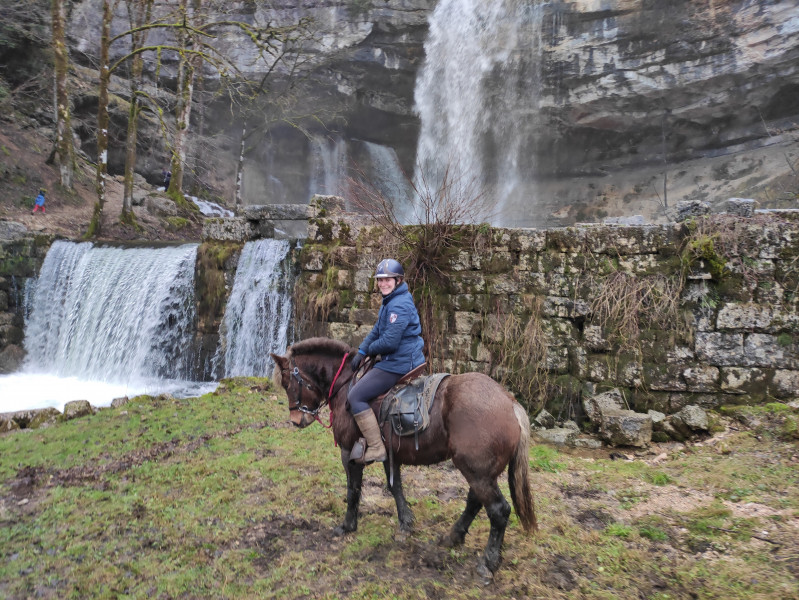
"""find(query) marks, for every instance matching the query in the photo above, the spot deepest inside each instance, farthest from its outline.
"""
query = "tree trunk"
(240, 165)
(139, 16)
(95, 227)
(64, 147)
(189, 65)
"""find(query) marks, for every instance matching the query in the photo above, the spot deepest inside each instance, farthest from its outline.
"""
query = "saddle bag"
(407, 406)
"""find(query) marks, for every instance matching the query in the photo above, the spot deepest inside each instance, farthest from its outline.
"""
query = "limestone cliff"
(627, 105)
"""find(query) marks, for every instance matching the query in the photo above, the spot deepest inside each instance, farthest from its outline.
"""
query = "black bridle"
(303, 383)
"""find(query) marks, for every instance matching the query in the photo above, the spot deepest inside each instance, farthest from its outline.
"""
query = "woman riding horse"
(396, 337)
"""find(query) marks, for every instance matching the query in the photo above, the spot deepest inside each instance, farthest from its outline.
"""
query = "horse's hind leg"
(461, 527)
(354, 480)
(498, 511)
(404, 513)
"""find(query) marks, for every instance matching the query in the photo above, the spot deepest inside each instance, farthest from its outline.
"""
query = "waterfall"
(328, 165)
(389, 179)
(477, 98)
(259, 309)
(122, 315)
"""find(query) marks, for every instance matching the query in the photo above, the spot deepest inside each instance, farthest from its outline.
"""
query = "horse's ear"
(280, 361)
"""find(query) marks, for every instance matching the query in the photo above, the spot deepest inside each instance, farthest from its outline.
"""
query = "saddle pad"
(407, 406)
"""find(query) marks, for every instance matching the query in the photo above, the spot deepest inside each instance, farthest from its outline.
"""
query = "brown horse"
(473, 421)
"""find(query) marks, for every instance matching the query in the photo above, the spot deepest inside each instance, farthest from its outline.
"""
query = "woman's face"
(386, 285)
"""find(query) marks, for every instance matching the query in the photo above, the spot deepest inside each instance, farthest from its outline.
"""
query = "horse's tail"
(519, 473)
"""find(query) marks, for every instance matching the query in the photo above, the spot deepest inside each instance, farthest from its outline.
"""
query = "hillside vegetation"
(219, 497)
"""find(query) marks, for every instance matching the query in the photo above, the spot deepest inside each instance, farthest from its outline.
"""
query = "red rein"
(330, 393)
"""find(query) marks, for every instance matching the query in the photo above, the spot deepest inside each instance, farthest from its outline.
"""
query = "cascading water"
(477, 98)
(106, 322)
(390, 180)
(259, 310)
(328, 165)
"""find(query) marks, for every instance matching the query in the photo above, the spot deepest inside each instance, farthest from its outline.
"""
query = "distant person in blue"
(397, 338)
(39, 204)
(167, 178)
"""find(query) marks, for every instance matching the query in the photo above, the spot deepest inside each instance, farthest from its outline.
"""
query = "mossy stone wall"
(701, 312)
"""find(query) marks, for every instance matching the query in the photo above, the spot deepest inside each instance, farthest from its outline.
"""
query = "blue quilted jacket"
(396, 336)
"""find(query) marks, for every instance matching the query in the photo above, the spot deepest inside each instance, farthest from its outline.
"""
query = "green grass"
(218, 497)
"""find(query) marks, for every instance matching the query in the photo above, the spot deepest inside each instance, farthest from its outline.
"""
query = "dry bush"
(441, 224)
(520, 360)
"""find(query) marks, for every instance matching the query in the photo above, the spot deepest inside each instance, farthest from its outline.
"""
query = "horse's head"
(304, 395)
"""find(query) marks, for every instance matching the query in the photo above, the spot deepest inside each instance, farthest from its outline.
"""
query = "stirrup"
(358, 453)
(358, 450)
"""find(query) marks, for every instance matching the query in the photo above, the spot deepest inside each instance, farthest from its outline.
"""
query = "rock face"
(647, 103)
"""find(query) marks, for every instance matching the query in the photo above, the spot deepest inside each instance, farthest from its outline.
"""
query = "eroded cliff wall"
(637, 104)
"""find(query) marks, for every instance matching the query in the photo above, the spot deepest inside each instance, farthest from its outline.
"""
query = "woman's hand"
(356, 361)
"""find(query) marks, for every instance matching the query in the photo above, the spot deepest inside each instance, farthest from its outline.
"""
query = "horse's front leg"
(404, 513)
(354, 479)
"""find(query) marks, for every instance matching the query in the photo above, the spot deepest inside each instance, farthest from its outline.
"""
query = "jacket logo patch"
(392, 317)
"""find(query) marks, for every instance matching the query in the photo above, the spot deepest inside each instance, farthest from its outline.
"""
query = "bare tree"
(64, 147)
(194, 34)
(95, 226)
(139, 15)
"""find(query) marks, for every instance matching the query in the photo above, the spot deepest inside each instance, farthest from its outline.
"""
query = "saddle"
(407, 405)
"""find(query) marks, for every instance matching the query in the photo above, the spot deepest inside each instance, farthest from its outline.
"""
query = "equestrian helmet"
(389, 268)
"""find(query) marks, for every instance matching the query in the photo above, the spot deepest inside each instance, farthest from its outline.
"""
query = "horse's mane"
(319, 344)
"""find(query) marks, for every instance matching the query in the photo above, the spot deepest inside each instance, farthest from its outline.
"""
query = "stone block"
(527, 240)
(742, 380)
(161, 206)
(363, 281)
(11, 230)
(626, 428)
(692, 417)
(720, 349)
(741, 207)
(557, 359)
(746, 316)
(664, 377)
(465, 322)
(785, 384)
(276, 212)
(595, 406)
(544, 420)
(563, 307)
(594, 339)
(44, 418)
(76, 409)
(687, 209)
(764, 350)
(559, 436)
(11, 358)
(701, 378)
(236, 229)
(595, 369)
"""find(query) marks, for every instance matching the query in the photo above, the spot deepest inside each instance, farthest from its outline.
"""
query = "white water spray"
(477, 98)
(121, 315)
(104, 323)
(259, 310)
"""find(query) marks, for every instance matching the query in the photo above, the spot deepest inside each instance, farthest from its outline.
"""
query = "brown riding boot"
(375, 450)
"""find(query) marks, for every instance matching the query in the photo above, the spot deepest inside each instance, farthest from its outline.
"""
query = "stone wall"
(702, 312)
(21, 257)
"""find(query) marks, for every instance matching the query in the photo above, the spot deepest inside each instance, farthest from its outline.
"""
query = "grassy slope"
(218, 497)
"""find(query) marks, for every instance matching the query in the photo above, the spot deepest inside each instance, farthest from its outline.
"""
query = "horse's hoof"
(484, 574)
(401, 536)
(450, 541)
(341, 530)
